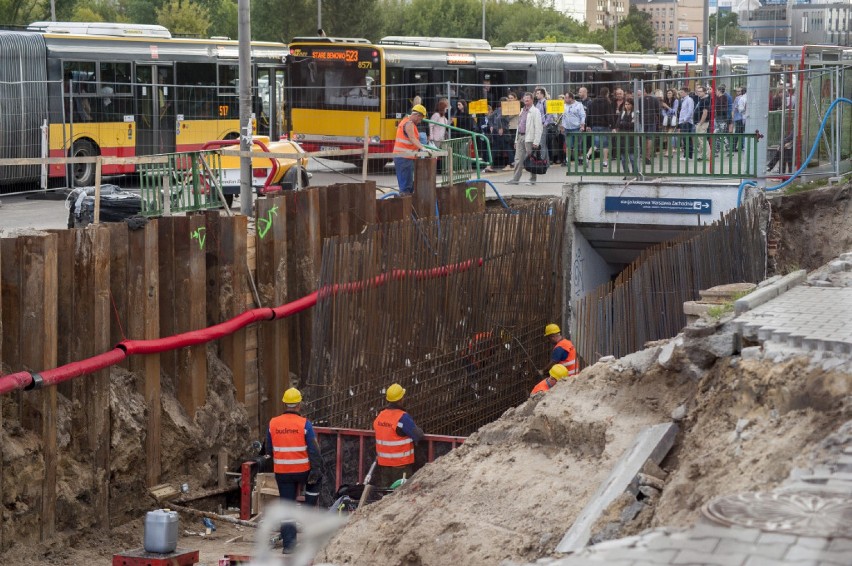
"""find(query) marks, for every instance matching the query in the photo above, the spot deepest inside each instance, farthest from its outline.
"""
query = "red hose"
(25, 380)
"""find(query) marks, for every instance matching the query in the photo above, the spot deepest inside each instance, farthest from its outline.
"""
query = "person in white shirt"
(528, 138)
(573, 121)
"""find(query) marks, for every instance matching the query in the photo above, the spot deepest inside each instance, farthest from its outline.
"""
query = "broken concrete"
(652, 443)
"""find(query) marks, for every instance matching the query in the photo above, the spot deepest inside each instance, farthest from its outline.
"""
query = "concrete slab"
(651, 443)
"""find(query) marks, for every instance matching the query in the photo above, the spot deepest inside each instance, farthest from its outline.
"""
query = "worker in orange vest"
(396, 435)
(556, 373)
(296, 458)
(563, 350)
(407, 140)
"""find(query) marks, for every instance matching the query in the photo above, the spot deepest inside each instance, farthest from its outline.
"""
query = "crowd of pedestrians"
(609, 117)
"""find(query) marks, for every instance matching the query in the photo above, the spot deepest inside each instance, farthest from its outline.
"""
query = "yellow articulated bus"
(124, 90)
(335, 83)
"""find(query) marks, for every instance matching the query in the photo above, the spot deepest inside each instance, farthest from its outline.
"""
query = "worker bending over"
(407, 141)
(563, 351)
(396, 435)
(296, 457)
(557, 372)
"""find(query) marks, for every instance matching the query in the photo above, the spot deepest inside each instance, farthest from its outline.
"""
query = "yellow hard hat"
(551, 329)
(395, 393)
(292, 396)
(420, 109)
(558, 371)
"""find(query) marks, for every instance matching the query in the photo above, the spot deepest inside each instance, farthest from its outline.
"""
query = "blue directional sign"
(687, 49)
(659, 205)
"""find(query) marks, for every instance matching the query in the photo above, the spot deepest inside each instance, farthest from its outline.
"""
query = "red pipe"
(26, 380)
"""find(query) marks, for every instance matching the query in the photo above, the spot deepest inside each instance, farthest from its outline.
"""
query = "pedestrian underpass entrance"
(637, 252)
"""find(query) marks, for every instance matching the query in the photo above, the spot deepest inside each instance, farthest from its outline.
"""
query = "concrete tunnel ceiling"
(622, 243)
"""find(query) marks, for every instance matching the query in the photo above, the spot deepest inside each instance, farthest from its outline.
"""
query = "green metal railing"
(187, 182)
(733, 155)
(459, 164)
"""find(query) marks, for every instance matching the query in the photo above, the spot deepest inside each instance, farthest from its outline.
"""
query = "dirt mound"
(812, 227)
(513, 489)
(189, 449)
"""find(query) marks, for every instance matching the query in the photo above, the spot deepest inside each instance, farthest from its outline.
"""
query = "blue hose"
(493, 188)
(389, 194)
(747, 183)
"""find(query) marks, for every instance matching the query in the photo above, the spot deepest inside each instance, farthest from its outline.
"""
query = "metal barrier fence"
(620, 317)
(465, 345)
(681, 155)
(186, 182)
(457, 166)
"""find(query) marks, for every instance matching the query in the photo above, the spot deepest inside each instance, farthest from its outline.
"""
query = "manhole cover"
(795, 513)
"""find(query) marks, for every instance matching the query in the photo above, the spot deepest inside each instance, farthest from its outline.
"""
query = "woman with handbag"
(625, 125)
(669, 105)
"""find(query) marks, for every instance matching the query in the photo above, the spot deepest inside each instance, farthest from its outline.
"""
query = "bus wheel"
(83, 174)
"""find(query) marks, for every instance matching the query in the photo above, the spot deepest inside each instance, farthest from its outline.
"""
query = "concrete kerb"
(768, 293)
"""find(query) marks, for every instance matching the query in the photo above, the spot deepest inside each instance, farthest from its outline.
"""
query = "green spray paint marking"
(200, 236)
(264, 224)
(470, 192)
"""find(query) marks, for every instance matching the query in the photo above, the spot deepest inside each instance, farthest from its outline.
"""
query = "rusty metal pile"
(462, 330)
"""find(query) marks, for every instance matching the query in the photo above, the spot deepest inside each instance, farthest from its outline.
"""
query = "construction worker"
(396, 435)
(556, 373)
(563, 350)
(296, 458)
(408, 140)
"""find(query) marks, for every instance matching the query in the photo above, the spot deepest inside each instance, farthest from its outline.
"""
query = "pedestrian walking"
(626, 147)
(573, 122)
(528, 138)
(685, 124)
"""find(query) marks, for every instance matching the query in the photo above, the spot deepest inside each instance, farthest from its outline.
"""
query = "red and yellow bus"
(77, 89)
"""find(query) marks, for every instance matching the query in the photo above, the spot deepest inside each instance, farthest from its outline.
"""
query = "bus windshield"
(342, 78)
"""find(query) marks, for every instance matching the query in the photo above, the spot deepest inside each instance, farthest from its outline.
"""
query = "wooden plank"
(190, 308)
(119, 243)
(272, 342)
(38, 351)
(304, 259)
(232, 291)
(212, 221)
(144, 297)
(424, 188)
(10, 294)
(98, 396)
(394, 209)
(363, 211)
(2, 493)
(167, 299)
(65, 301)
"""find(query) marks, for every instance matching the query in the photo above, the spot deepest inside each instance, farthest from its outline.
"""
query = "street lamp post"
(483, 19)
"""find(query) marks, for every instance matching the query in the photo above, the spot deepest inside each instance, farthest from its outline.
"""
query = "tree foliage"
(184, 17)
(725, 29)
(282, 20)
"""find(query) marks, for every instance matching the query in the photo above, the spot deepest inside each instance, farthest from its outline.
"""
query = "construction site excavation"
(593, 370)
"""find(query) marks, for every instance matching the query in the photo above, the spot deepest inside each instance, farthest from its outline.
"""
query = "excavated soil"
(812, 227)
(516, 486)
(189, 455)
(510, 492)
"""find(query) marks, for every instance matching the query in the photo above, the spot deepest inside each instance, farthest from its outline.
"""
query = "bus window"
(337, 78)
(196, 90)
(81, 87)
(228, 107)
(116, 92)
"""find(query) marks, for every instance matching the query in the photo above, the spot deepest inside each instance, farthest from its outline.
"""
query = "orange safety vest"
(542, 386)
(570, 363)
(392, 450)
(289, 447)
(402, 143)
